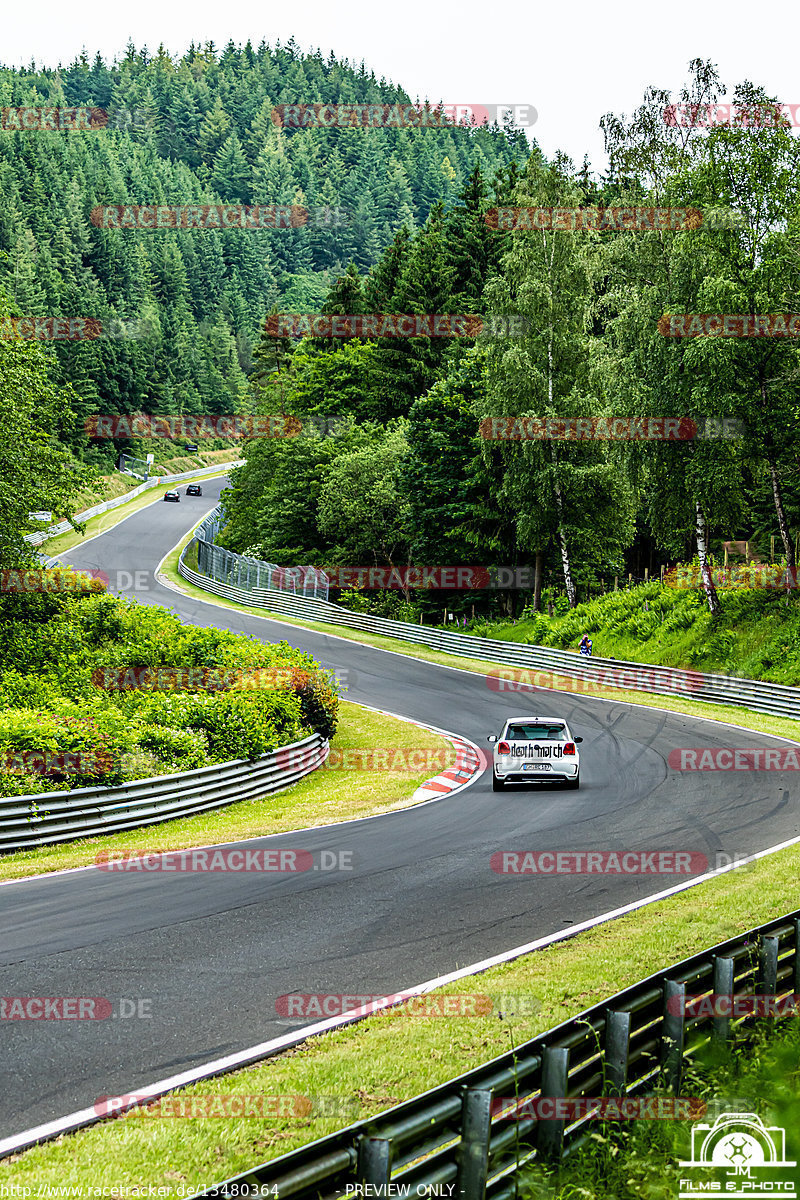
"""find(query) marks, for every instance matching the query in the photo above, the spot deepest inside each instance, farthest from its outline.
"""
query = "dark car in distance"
(194, 489)
(174, 496)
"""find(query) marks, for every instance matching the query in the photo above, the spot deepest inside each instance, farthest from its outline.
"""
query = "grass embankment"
(324, 797)
(393, 1056)
(757, 634)
(109, 487)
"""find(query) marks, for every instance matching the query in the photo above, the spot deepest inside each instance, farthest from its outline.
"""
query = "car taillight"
(569, 747)
(503, 748)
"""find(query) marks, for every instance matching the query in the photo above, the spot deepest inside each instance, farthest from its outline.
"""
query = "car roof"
(536, 720)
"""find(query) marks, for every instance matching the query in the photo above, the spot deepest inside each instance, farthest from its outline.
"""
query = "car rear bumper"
(563, 773)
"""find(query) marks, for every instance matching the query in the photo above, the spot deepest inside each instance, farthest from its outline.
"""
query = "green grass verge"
(322, 798)
(393, 1056)
(107, 520)
(745, 717)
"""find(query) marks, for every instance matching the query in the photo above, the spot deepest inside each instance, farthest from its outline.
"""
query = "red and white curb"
(470, 762)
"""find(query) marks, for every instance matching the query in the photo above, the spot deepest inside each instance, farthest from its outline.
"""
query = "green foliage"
(66, 690)
(183, 748)
(59, 748)
(756, 635)
(184, 309)
(250, 724)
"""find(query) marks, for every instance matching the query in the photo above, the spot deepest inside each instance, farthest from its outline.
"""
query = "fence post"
(473, 1153)
(673, 1033)
(618, 1039)
(767, 965)
(722, 986)
(375, 1163)
(550, 1134)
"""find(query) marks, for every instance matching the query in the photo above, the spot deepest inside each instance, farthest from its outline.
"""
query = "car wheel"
(576, 782)
(497, 784)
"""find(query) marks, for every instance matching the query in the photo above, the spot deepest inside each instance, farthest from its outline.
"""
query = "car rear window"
(536, 733)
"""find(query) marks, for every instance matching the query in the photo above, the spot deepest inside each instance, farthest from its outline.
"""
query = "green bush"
(250, 724)
(182, 749)
(63, 691)
(59, 748)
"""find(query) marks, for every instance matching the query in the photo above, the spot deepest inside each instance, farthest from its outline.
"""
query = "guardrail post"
(796, 924)
(673, 1033)
(767, 983)
(473, 1153)
(550, 1133)
(722, 986)
(618, 1040)
(375, 1162)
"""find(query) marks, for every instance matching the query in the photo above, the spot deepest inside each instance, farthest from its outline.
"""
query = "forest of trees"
(199, 130)
(391, 467)
(408, 477)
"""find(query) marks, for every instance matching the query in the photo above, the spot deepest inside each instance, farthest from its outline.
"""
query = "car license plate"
(536, 766)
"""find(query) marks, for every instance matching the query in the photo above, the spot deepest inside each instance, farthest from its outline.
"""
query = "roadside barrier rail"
(634, 1044)
(248, 574)
(595, 673)
(49, 817)
(36, 539)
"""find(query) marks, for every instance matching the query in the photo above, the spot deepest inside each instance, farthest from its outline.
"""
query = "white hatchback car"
(535, 748)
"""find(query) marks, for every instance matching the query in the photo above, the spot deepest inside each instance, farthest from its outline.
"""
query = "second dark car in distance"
(194, 489)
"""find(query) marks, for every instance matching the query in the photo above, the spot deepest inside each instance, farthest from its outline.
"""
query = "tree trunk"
(783, 524)
(777, 494)
(701, 537)
(562, 538)
(537, 582)
(562, 545)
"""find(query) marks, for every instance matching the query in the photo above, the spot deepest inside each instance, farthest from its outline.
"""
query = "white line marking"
(264, 1050)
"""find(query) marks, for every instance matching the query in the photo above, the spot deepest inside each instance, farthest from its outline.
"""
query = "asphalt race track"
(213, 951)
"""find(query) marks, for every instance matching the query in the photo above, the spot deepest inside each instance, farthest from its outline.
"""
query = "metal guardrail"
(250, 574)
(456, 1134)
(36, 539)
(773, 698)
(50, 817)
